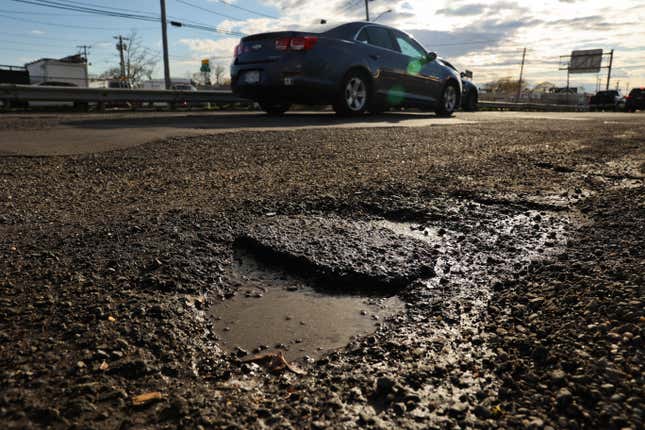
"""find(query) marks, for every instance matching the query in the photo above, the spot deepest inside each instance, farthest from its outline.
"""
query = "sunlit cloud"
(486, 36)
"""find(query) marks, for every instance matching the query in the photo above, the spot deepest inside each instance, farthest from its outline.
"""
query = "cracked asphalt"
(513, 239)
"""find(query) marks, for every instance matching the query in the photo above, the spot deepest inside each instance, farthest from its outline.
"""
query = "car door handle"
(375, 57)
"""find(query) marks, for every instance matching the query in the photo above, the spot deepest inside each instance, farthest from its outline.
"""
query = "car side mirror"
(430, 57)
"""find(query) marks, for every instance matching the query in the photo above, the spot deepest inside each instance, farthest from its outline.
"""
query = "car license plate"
(252, 77)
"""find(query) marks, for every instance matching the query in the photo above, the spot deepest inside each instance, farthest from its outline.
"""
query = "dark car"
(469, 93)
(607, 100)
(470, 96)
(635, 100)
(355, 67)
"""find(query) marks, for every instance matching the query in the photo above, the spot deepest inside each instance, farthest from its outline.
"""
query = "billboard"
(586, 61)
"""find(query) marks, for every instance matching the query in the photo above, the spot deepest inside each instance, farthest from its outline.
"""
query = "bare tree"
(506, 85)
(111, 73)
(140, 62)
(218, 74)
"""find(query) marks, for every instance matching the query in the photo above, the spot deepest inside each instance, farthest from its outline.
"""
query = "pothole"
(276, 310)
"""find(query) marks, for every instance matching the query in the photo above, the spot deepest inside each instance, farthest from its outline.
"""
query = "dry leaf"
(142, 399)
(111, 318)
(275, 361)
(104, 366)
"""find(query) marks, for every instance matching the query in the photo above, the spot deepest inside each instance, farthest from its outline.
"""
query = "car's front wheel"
(274, 109)
(448, 102)
(470, 104)
(354, 95)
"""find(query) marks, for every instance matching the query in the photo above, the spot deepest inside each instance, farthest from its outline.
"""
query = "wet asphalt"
(514, 245)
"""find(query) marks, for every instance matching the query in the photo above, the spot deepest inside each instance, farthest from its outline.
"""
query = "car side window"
(380, 37)
(408, 47)
(362, 36)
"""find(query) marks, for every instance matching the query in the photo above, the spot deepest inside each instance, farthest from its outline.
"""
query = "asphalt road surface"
(399, 271)
(67, 134)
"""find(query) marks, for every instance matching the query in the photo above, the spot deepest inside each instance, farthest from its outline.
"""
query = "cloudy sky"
(486, 36)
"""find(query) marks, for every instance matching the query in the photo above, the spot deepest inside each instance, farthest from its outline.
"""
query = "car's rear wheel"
(274, 109)
(354, 95)
(448, 102)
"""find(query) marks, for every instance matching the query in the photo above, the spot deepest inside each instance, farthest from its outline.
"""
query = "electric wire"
(254, 12)
(208, 10)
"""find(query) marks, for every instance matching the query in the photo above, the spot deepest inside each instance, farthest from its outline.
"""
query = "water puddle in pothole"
(274, 310)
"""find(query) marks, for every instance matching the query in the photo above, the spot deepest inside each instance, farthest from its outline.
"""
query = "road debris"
(275, 362)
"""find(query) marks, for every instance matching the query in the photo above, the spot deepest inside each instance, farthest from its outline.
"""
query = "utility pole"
(611, 62)
(519, 86)
(367, 10)
(84, 50)
(121, 48)
(164, 37)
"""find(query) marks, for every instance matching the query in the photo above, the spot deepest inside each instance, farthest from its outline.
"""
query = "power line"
(205, 28)
(22, 12)
(208, 10)
(89, 10)
(254, 12)
(80, 27)
(140, 17)
(13, 42)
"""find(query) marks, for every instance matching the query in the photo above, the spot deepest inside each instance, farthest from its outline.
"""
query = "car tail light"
(303, 43)
(628, 97)
(282, 44)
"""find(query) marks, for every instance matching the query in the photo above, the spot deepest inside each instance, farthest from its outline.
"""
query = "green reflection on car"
(414, 67)
(395, 95)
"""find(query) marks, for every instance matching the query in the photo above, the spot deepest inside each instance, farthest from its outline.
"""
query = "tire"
(354, 95)
(470, 104)
(275, 109)
(449, 100)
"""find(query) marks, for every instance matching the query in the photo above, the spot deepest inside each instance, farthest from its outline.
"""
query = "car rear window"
(637, 92)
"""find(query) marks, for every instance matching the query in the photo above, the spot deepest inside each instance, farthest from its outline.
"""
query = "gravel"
(109, 263)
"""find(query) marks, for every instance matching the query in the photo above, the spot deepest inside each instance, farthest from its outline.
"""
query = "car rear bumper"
(636, 104)
(284, 81)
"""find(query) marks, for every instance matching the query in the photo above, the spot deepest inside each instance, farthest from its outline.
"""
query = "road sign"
(206, 67)
(585, 61)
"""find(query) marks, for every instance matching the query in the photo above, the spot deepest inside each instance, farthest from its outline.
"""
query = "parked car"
(355, 67)
(607, 100)
(185, 87)
(470, 92)
(635, 100)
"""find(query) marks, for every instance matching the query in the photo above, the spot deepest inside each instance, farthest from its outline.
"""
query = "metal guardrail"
(10, 94)
(25, 93)
(532, 106)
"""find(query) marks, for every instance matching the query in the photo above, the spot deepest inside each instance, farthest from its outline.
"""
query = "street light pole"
(367, 10)
(164, 36)
(378, 17)
(611, 62)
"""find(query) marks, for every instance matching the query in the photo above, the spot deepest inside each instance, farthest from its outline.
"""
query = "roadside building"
(70, 70)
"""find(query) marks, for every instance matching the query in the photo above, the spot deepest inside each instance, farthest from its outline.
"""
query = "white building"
(69, 70)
